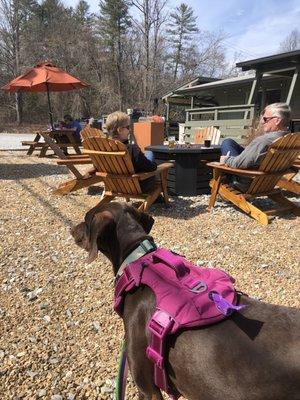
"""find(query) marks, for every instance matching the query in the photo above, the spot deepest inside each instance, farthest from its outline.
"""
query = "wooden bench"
(34, 144)
(43, 147)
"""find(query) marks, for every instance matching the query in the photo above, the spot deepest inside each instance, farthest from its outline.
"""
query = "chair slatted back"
(91, 132)
(118, 166)
(211, 133)
(280, 157)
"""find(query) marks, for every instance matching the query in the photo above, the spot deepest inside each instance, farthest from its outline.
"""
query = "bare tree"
(291, 42)
(13, 14)
(152, 17)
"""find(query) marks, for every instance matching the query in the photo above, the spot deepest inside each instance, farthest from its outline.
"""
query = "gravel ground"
(59, 338)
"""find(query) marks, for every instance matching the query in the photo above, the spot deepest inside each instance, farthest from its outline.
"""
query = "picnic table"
(64, 138)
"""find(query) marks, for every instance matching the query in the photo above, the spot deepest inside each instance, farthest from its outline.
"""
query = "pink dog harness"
(186, 296)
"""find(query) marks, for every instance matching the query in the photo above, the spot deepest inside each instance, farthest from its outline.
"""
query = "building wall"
(275, 90)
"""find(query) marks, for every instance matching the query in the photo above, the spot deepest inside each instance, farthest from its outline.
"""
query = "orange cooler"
(148, 133)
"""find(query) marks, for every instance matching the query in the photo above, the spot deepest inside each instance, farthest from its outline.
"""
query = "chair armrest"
(74, 161)
(235, 171)
(160, 168)
(74, 156)
(165, 165)
(144, 175)
(245, 172)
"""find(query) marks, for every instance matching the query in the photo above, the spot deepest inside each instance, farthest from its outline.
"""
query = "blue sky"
(255, 28)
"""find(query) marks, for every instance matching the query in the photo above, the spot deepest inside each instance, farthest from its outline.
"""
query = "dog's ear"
(80, 235)
(144, 219)
(96, 225)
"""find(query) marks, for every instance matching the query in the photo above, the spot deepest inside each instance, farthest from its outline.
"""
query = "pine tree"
(114, 23)
(181, 29)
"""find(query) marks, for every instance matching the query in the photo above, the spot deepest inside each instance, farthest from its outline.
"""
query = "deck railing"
(232, 121)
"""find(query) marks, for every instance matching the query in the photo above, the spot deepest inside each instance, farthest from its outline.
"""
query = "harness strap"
(125, 283)
(160, 325)
(172, 260)
(177, 263)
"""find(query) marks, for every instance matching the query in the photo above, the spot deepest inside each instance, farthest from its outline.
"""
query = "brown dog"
(252, 355)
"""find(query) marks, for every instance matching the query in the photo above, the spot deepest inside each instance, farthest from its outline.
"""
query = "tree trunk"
(16, 46)
(19, 107)
(119, 70)
(178, 57)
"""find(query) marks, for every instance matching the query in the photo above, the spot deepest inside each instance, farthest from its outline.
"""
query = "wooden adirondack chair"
(211, 133)
(81, 180)
(277, 162)
(91, 132)
(287, 182)
(113, 164)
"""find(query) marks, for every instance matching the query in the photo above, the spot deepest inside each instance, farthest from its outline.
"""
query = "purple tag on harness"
(224, 306)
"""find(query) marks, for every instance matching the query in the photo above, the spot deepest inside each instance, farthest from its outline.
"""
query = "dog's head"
(114, 229)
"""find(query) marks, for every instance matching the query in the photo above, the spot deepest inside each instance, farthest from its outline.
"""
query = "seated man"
(275, 122)
(70, 123)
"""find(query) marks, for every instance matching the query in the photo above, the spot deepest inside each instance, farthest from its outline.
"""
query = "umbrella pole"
(49, 105)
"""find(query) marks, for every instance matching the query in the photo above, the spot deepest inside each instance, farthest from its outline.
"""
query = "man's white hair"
(281, 110)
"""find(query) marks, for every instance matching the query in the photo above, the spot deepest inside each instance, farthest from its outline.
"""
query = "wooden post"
(253, 92)
(293, 83)
(192, 102)
(167, 117)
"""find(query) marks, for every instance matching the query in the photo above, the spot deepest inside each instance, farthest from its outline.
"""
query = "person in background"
(70, 123)
(274, 122)
(117, 125)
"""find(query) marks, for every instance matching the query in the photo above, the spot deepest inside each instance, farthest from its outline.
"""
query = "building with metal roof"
(232, 104)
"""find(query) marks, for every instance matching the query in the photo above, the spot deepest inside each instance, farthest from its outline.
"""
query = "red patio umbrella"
(45, 77)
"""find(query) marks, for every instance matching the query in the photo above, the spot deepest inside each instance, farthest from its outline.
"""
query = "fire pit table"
(190, 175)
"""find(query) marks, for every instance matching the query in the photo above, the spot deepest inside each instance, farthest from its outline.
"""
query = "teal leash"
(121, 379)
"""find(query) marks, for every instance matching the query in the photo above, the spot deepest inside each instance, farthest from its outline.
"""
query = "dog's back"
(253, 355)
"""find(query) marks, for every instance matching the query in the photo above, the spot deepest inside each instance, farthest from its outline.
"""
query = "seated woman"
(117, 125)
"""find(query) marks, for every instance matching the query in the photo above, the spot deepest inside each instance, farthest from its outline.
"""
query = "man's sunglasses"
(267, 119)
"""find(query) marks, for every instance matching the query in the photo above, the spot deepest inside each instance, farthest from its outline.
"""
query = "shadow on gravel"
(263, 204)
(179, 208)
(27, 171)
(50, 208)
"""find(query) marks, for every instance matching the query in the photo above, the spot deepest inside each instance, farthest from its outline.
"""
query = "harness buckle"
(156, 358)
(161, 323)
(199, 287)
(194, 285)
